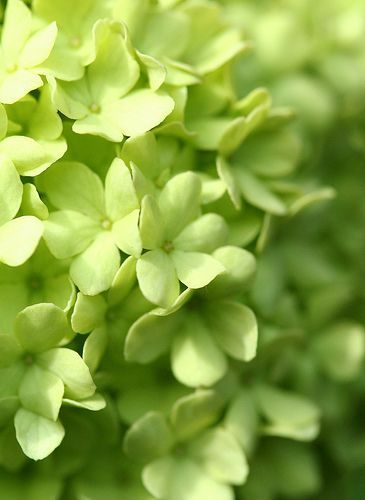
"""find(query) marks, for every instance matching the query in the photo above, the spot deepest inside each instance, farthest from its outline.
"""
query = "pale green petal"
(16, 29)
(120, 193)
(88, 313)
(287, 414)
(40, 327)
(182, 479)
(41, 392)
(148, 438)
(195, 357)
(143, 152)
(104, 124)
(70, 367)
(37, 436)
(16, 85)
(29, 156)
(234, 326)
(95, 347)
(150, 336)
(179, 202)
(71, 98)
(73, 186)
(126, 234)
(194, 269)
(123, 282)
(242, 420)
(151, 224)
(221, 456)
(3, 122)
(32, 203)
(203, 235)
(157, 278)
(225, 173)
(69, 233)
(45, 123)
(256, 193)
(38, 47)
(240, 269)
(195, 412)
(141, 111)
(19, 239)
(115, 71)
(93, 403)
(11, 190)
(93, 270)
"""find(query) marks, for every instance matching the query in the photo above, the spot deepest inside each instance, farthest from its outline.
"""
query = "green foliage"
(172, 326)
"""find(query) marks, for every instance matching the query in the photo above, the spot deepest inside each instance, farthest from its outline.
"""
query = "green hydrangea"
(173, 324)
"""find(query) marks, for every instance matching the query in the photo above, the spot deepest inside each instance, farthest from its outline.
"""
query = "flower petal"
(194, 269)
(19, 239)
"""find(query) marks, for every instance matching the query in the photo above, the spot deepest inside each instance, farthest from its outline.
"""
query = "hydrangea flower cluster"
(143, 171)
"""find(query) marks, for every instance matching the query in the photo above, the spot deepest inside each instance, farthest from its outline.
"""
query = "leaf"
(205, 234)
(19, 239)
(40, 327)
(221, 456)
(11, 190)
(194, 269)
(41, 392)
(148, 438)
(157, 278)
(195, 412)
(88, 313)
(179, 202)
(93, 270)
(69, 367)
(37, 436)
(195, 357)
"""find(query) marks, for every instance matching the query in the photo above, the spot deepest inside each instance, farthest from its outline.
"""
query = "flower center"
(75, 42)
(28, 359)
(94, 108)
(168, 246)
(35, 282)
(106, 224)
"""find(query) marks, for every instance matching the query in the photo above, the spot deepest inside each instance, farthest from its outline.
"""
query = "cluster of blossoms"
(142, 174)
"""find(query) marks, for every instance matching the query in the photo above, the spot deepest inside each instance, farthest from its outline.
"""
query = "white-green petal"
(11, 190)
(16, 85)
(72, 370)
(37, 436)
(69, 233)
(195, 357)
(19, 239)
(38, 47)
(73, 186)
(120, 194)
(126, 234)
(151, 224)
(157, 278)
(88, 312)
(94, 269)
(41, 392)
(194, 269)
(179, 202)
(221, 456)
(205, 234)
(234, 326)
(40, 327)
